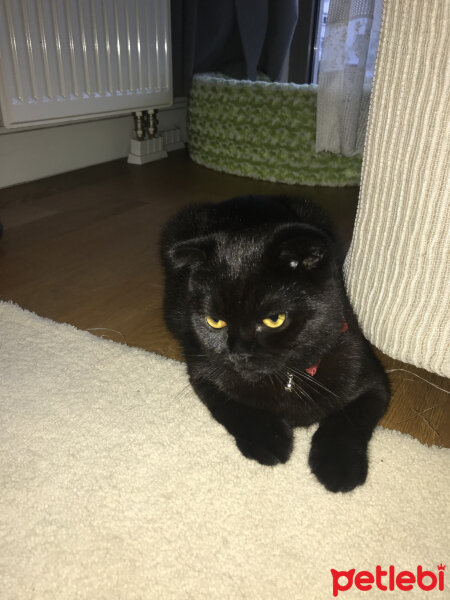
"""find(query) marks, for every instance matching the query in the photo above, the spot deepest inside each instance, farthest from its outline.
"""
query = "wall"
(34, 153)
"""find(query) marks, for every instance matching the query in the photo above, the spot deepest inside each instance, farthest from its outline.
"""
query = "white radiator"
(70, 59)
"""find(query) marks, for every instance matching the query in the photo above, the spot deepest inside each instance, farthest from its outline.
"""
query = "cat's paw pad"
(340, 464)
(269, 441)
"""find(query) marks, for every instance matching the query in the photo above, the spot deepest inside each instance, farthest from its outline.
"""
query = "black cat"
(255, 295)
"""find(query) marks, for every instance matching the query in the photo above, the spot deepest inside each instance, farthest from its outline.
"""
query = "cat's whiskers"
(303, 394)
(320, 408)
(308, 381)
(280, 378)
(272, 382)
(295, 387)
(314, 383)
(299, 391)
(186, 388)
(216, 370)
(216, 373)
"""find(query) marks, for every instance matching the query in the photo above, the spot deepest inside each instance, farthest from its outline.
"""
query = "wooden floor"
(82, 248)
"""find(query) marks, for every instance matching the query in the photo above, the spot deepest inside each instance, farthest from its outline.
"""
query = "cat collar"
(310, 370)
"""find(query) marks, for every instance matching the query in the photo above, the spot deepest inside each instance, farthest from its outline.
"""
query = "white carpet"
(116, 484)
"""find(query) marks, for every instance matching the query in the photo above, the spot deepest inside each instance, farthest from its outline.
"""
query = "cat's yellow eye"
(275, 321)
(219, 324)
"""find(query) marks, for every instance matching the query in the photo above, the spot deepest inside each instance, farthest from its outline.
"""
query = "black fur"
(241, 261)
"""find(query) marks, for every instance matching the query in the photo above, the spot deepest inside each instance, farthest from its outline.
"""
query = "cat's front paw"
(268, 441)
(339, 462)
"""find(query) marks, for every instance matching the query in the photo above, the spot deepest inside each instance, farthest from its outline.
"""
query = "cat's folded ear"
(301, 246)
(191, 253)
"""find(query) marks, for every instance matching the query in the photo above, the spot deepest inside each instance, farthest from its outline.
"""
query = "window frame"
(303, 46)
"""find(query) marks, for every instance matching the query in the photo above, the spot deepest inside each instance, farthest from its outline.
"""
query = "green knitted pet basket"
(262, 130)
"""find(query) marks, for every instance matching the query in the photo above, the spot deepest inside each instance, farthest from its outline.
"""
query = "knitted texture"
(262, 130)
(116, 484)
(398, 267)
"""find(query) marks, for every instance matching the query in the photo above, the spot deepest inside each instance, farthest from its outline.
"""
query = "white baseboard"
(34, 153)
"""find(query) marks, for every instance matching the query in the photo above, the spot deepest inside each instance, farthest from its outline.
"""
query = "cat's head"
(264, 298)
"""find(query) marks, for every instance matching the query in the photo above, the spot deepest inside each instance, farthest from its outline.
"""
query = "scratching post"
(398, 267)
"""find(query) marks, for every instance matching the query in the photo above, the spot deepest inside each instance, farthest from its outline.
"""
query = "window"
(307, 43)
(319, 36)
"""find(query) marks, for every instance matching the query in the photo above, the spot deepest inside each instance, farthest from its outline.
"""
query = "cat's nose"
(239, 349)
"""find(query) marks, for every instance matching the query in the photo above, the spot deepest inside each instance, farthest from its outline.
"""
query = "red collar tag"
(313, 370)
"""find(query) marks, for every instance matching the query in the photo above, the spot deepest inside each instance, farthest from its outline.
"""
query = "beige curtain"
(398, 266)
(345, 75)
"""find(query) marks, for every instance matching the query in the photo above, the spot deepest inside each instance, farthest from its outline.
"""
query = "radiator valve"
(139, 124)
(151, 123)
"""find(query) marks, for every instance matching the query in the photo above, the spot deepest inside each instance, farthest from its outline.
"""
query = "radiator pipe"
(139, 125)
(145, 124)
(151, 123)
